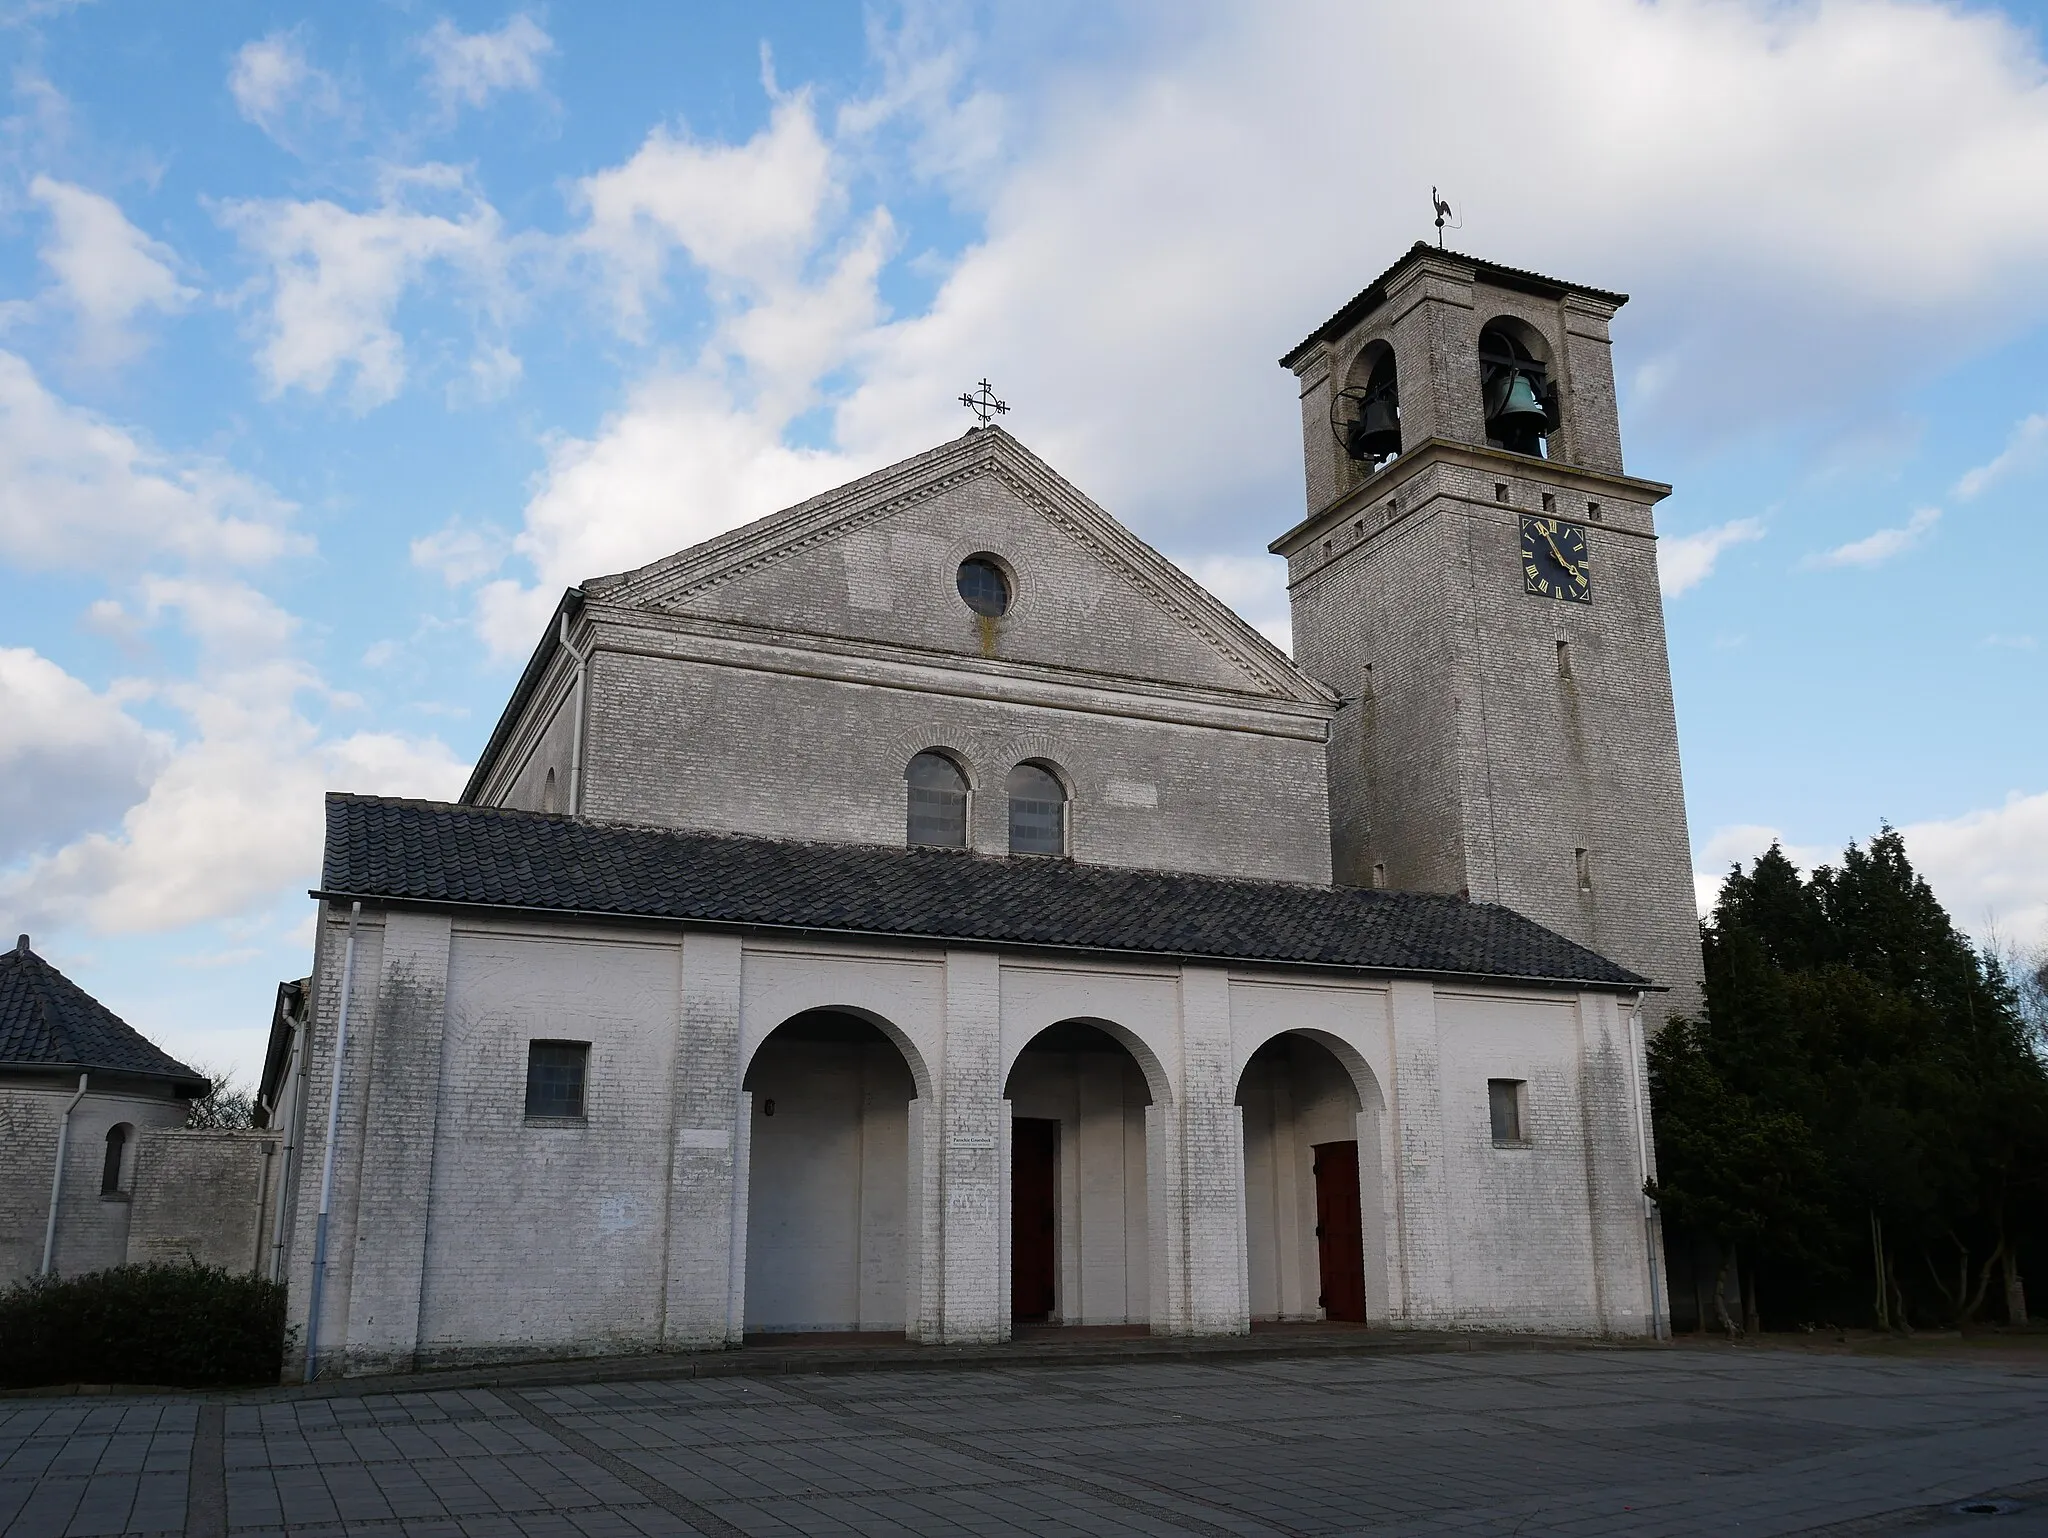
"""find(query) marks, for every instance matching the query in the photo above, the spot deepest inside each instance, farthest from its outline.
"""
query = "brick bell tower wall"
(1507, 744)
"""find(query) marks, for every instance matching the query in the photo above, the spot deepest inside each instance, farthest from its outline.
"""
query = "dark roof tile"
(48, 1021)
(432, 852)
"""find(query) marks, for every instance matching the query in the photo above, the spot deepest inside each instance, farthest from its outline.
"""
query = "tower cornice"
(1445, 451)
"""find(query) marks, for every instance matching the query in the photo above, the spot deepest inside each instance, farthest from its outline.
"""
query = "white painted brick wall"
(619, 1234)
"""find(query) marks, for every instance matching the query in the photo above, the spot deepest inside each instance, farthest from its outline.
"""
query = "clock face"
(1554, 560)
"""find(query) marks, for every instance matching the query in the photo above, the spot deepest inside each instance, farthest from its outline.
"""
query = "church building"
(926, 910)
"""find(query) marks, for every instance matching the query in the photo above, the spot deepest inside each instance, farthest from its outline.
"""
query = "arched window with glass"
(1038, 810)
(111, 1169)
(937, 816)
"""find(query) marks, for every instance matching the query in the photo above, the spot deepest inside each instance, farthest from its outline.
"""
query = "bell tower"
(1477, 580)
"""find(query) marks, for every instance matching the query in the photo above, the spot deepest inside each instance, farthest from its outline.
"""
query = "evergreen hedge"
(181, 1326)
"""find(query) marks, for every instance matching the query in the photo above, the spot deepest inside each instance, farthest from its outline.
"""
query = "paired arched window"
(938, 803)
(110, 1170)
(1038, 810)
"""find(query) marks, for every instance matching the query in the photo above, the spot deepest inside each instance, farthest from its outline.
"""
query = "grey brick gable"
(874, 559)
(402, 851)
(48, 1022)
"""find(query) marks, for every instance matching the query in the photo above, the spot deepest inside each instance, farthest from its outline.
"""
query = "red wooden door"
(1339, 1243)
(1034, 1156)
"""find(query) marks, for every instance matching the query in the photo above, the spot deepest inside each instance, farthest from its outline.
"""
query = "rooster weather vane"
(984, 404)
(1443, 216)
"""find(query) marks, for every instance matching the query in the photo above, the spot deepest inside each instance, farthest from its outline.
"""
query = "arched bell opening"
(1518, 395)
(829, 1209)
(1314, 1240)
(1365, 415)
(1079, 1235)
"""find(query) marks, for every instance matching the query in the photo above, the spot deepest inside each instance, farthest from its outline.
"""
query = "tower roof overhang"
(1374, 294)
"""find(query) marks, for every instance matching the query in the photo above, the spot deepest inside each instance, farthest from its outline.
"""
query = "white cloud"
(77, 491)
(107, 269)
(472, 67)
(681, 462)
(459, 553)
(1254, 585)
(278, 89)
(957, 130)
(1876, 548)
(749, 215)
(232, 818)
(70, 758)
(1182, 213)
(2027, 447)
(1989, 868)
(1768, 179)
(334, 277)
(1687, 560)
(700, 448)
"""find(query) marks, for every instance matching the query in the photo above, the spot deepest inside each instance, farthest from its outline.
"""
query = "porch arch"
(831, 1191)
(1084, 1118)
(1311, 1103)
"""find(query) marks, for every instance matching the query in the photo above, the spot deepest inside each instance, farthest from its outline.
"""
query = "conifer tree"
(1862, 1109)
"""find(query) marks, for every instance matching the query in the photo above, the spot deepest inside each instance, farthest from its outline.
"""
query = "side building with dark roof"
(913, 912)
(98, 1166)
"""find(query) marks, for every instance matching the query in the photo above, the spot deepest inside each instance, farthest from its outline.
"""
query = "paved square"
(1489, 1442)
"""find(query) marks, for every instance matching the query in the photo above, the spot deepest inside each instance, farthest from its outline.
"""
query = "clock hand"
(1559, 554)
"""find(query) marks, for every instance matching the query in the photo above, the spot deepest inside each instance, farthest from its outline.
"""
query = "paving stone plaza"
(1688, 1440)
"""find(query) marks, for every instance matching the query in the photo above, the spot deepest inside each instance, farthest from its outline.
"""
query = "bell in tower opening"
(1366, 414)
(1520, 398)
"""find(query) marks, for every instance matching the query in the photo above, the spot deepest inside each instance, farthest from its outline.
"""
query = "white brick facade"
(518, 1239)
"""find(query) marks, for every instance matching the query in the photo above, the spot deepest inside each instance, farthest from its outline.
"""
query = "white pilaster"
(707, 1217)
(970, 1155)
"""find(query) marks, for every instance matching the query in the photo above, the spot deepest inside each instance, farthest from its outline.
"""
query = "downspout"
(582, 661)
(1639, 1055)
(288, 1170)
(348, 972)
(57, 1175)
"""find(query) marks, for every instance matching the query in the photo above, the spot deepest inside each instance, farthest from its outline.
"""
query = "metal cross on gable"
(984, 404)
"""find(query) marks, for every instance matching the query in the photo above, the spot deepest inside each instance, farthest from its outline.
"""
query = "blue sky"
(334, 342)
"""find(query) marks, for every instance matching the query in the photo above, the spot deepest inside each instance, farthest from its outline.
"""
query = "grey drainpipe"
(1638, 1053)
(57, 1177)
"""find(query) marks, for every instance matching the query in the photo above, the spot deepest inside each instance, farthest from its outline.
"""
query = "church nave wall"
(678, 743)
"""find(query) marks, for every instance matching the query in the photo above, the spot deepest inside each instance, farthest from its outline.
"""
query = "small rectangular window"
(1582, 863)
(1593, 511)
(1564, 659)
(555, 1075)
(1549, 502)
(1379, 874)
(1505, 1099)
(1500, 491)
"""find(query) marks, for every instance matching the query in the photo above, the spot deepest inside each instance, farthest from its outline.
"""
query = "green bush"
(175, 1325)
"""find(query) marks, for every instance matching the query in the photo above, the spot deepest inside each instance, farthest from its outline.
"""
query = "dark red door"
(1339, 1244)
(1034, 1156)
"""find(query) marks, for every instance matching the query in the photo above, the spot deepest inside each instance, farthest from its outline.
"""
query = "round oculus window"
(984, 587)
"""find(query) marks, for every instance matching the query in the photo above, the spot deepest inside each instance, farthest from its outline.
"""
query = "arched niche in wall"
(830, 1188)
